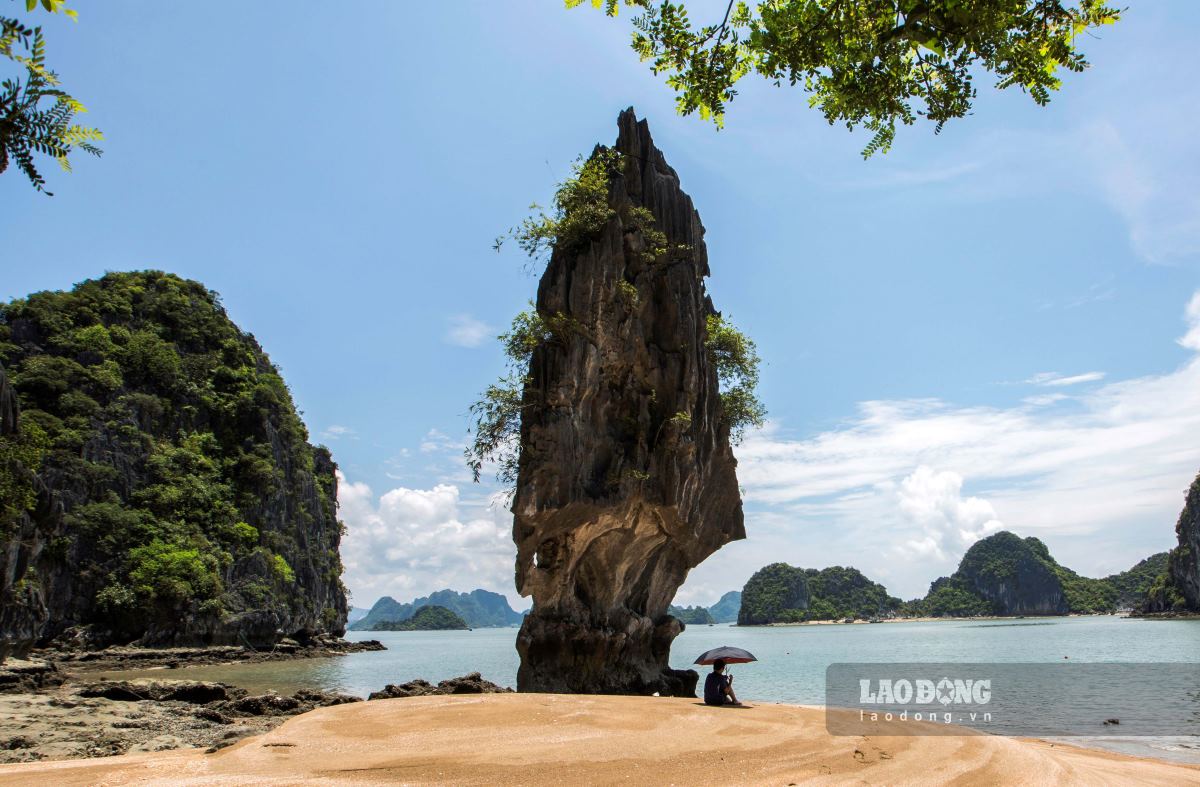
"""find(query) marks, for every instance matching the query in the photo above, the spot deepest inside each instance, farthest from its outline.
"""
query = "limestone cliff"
(31, 523)
(1015, 574)
(1003, 574)
(1178, 589)
(626, 477)
(176, 499)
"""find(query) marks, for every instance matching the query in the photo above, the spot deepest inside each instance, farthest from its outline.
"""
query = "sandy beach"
(555, 739)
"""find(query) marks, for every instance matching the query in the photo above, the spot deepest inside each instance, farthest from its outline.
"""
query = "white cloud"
(466, 331)
(436, 441)
(949, 522)
(410, 542)
(1042, 400)
(1191, 339)
(336, 432)
(1057, 380)
(899, 491)
(1099, 476)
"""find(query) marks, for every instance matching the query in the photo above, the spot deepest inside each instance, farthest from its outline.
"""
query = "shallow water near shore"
(791, 666)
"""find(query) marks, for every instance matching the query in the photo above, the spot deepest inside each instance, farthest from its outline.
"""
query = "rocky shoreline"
(133, 657)
(49, 714)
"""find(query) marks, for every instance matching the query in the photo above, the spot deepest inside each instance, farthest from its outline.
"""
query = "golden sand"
(558, 739)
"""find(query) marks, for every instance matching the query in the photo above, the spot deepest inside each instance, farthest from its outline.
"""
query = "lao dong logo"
(923, 691)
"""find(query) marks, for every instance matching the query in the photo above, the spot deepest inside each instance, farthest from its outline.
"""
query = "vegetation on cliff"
(581, 210)
(1177, 586)
(427, 618)
(780, 593)
(194, 505)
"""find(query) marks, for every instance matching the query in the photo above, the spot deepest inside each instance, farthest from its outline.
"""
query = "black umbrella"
(727, 654)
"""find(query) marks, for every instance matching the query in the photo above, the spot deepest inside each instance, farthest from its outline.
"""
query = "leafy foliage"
(736, 359)
(770, 592)
(427, 618)
(580, 210)
(951, 597)
(175, 447)
(868, 63)
(20, 459)
(779, 593)
(842, 592)
(36, 114)
(1132, 586)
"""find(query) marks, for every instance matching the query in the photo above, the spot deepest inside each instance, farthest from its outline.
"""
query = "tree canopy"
(868, 63)
(36, 114)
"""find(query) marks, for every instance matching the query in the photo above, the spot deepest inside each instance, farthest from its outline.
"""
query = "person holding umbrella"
(718, 687)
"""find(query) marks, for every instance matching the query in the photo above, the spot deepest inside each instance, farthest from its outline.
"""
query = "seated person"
(718, 687)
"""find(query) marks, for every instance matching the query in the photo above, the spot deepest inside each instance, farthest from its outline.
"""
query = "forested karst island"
(430, 617)
(158, 485)
(1001, 575)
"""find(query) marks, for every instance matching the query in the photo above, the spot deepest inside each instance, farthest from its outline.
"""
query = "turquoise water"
(792, 659)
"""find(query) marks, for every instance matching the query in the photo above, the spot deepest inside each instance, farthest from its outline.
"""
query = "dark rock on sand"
(473, 683)
(34, 675)
(192, 692)
(127, 657)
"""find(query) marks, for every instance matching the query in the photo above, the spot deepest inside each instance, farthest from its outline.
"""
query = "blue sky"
(980, 329)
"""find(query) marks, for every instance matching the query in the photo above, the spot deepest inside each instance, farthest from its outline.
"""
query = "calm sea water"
(792, 659)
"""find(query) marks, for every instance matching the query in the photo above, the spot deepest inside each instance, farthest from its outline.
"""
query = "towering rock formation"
(1178, 590)
(626, 477)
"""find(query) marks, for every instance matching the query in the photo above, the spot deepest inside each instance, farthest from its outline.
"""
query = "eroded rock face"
(215, 416)
(1180, 589)
(619, 495)
(1184, 562)
(23, 606)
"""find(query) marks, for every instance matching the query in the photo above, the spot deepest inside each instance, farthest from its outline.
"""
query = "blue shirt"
(714, 688)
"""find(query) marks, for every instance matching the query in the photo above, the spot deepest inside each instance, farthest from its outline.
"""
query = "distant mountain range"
(726, 610)
(479, 608)
(356, 614)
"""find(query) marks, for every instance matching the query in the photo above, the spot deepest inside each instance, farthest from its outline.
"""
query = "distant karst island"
(1001, 575)
(428, 618)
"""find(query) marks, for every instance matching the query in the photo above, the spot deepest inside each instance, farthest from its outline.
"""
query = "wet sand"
(559, 739)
